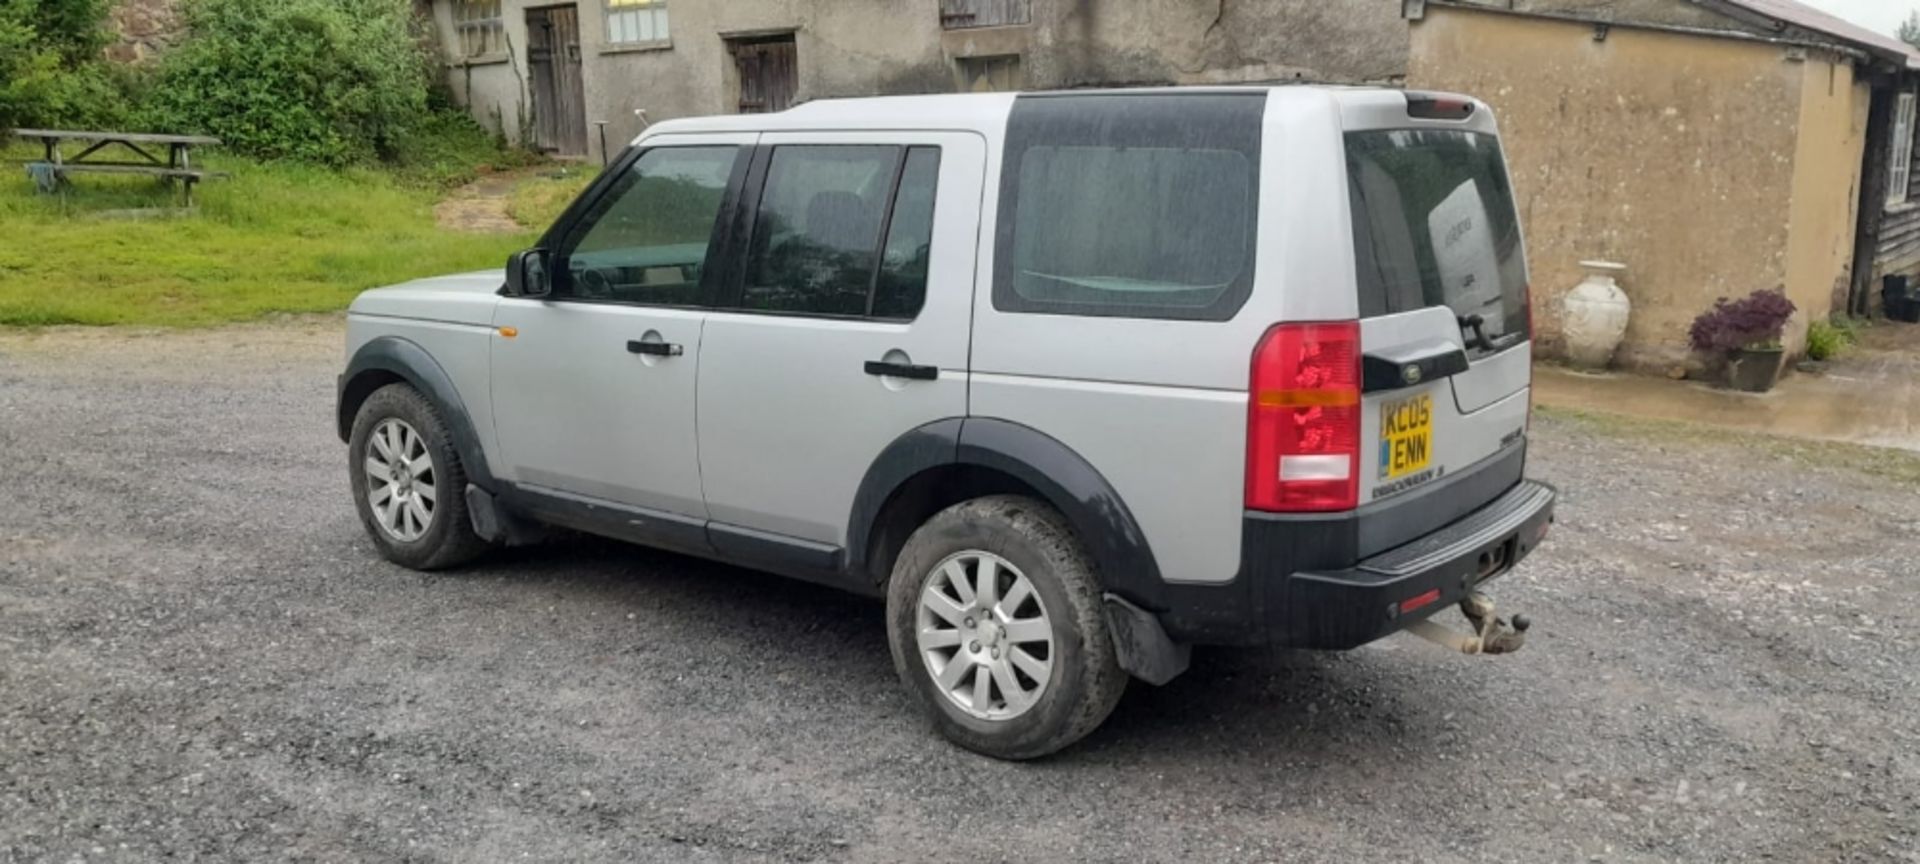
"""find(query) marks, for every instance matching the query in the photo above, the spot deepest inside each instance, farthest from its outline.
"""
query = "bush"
(1755, 321)
(50, 71)
(446, 148)
(1828, 339)
(327, 81)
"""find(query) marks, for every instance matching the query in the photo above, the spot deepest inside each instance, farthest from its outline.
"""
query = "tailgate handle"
(1411, 365)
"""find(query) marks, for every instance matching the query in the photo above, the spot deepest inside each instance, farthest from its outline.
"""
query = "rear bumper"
(1348, 608)
(1274, 601)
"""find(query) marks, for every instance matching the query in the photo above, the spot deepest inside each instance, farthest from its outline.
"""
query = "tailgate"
(1443, 300)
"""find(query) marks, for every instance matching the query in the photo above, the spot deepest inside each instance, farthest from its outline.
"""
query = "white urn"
(1596, 313)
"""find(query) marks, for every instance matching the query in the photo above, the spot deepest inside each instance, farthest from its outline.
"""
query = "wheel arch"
(954, 460)
(395, 360)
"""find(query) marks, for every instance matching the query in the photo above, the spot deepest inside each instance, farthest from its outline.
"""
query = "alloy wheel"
(400, 480)
(984, 635)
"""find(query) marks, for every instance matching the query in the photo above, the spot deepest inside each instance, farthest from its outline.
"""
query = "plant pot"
(1755, 370)
(1904, 309)
(1901, 303)
(1594, 317)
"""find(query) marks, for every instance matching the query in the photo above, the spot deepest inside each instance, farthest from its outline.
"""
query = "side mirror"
(527, 274)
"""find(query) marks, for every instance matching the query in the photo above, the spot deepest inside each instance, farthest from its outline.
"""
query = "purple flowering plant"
(1758, 320)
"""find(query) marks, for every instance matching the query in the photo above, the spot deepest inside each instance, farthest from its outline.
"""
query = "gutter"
(1415, 10)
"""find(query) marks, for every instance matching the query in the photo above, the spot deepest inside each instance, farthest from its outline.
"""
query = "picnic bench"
(53, 171)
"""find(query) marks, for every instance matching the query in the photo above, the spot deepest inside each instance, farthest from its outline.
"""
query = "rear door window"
(843, 230)
(1135, 206)
(1434, 225)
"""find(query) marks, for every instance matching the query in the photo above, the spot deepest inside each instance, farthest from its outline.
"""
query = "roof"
(985, 113)
(1807, 17)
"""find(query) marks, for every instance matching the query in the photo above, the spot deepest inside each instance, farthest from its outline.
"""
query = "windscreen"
(1434, 225)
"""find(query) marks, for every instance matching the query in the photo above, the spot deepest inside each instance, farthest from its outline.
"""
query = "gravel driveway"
(202, 659)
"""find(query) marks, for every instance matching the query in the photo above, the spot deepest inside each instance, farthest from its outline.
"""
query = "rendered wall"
(1677, 155)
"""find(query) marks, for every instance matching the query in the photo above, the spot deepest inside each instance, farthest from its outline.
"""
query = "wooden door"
(559, 95)
(769, 73)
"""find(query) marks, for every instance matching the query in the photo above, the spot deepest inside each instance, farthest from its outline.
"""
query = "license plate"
(1406, 436)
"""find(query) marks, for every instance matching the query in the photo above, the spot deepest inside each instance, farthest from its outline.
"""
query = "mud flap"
(1143, 646)
(495, 524)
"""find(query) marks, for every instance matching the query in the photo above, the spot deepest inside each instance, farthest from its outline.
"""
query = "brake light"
(1303, 419)
(1438, 106)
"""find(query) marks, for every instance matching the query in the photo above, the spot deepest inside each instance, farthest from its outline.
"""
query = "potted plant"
(1747, 333)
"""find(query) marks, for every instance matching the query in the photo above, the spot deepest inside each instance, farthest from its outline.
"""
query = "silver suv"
(1073, 380)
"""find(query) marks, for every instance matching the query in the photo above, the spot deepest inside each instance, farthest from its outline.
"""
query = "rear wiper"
(1477, 339)
(1473, 324)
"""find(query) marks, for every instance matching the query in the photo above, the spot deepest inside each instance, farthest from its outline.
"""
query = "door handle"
(1410, 365)
(657, 349)
(902, 370)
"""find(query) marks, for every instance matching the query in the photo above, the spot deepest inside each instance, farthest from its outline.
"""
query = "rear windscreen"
(1434, 225)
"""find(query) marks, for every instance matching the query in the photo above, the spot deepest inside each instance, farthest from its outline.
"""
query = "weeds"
(1831, 338)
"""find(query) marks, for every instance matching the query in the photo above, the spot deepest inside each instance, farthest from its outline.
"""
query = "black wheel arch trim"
(411, 363)
(934, 445)
(1122, 556)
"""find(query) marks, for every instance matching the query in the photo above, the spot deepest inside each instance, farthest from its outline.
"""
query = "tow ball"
(1491, 634)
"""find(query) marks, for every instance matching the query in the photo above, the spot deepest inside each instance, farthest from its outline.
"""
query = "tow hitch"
(1491, 634)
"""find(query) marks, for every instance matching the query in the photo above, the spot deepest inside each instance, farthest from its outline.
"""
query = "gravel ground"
(202, 659)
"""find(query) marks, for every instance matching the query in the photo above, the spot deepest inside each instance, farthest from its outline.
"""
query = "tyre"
(408, 483)
(998, 627)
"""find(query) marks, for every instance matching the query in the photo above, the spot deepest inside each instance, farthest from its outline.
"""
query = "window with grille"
(478, 24)
(636, 21)
(1900, 178)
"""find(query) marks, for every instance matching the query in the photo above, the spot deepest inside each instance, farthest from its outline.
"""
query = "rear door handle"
(902, 370)
(657, 349)
(1411, 365)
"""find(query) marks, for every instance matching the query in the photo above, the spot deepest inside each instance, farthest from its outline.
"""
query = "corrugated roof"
(1802, 15)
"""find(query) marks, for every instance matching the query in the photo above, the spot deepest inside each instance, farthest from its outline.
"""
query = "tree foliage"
(327, 81)
(50, 71)
(1910, 30)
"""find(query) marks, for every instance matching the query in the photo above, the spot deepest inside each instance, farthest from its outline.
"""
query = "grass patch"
(277, 237)
(537, 202)
(1899, 466)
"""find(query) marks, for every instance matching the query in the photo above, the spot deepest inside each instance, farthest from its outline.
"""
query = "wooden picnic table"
(178, 167)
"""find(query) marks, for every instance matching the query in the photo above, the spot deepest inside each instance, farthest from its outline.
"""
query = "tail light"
(1303, 419)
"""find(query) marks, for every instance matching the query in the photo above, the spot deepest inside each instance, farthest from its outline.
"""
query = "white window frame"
(1900, 172)
(637, 23)
(480, 28)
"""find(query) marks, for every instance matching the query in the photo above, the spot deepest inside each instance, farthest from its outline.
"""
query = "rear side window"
(843, 230)
(1434, 225)
(1133, 206)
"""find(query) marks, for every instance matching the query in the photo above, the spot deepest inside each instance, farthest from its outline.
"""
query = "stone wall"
(142, 29)
(866, 48)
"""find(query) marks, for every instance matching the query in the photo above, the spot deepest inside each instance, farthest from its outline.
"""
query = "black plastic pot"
(1899, 299)
(1755, 370)
(1904, 309)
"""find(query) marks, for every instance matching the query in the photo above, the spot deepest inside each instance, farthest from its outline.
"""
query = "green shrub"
(327, 81)
(1828, 339)
(50, 71)
(446, 147)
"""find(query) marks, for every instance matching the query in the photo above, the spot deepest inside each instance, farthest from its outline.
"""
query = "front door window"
(646, 240)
